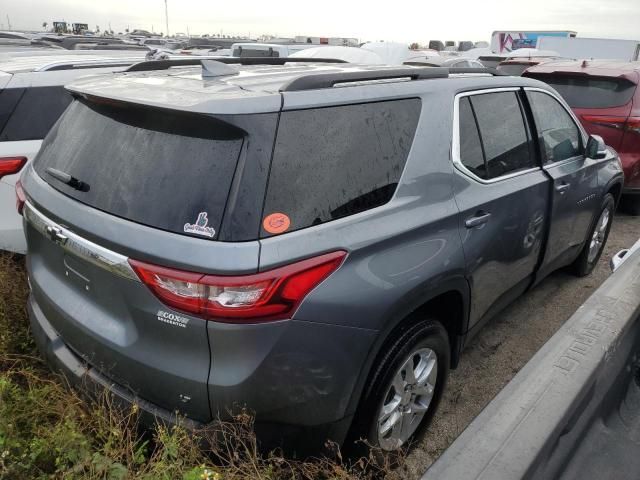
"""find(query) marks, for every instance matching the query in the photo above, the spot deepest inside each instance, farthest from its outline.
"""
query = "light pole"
(166, 16)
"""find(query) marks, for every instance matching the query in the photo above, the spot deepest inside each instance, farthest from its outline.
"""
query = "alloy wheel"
(599, 235)
(407, 399)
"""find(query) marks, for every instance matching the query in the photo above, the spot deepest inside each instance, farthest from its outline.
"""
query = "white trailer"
(592, 48)
(504, 41)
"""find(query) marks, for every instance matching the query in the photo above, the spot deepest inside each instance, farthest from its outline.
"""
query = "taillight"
(606, 121)
(631, 124)
(270, 295)
(11, 165)
(20, 197)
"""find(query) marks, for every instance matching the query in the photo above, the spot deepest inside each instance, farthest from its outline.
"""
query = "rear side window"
(163, 169)
(591, 92)
(558, 133)
(333, 162)
(504, 135)
(35, 113)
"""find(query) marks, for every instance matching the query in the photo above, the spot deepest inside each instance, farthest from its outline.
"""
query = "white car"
(393, 53)
(32, 97)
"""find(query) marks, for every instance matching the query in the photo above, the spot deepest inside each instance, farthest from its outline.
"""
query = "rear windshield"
(591, 92)
(166, 170)
(514, 69)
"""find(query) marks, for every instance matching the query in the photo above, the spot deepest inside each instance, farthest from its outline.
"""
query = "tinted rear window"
(161, 169)
(333, 162)
(591, 92)
(34, 114)
(9, 98)
(502, 136)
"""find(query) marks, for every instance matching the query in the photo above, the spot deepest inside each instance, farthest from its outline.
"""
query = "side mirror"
(596, 148)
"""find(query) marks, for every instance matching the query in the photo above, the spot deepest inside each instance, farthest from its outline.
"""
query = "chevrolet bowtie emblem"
(56, 236)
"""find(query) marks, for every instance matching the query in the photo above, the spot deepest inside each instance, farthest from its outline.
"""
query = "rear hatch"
(117, 181)
(602, 104)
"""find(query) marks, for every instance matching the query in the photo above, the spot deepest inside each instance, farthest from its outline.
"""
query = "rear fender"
(409, 309)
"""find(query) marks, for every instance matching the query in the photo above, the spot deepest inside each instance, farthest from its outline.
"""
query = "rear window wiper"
(67, 179)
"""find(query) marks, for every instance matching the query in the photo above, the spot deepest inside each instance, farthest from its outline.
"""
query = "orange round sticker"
(276, 223)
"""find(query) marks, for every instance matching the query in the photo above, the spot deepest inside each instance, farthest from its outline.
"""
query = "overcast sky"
(408, 20)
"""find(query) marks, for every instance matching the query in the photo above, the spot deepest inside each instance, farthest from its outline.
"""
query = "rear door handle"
(563, 187)
(480, 219)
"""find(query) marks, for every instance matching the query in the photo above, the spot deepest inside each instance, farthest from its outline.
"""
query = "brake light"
(270, 295)
(605, 121)
(633, 125)
(11, 165)
(21, 198)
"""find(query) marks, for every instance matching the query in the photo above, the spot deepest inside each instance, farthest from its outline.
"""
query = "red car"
(604, 95)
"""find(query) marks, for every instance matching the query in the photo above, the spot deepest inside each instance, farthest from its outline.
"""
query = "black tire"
(424, 334)
(583, 266)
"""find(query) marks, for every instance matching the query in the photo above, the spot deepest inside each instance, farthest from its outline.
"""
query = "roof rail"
(328, 80)
(79, 64)
(151, 65)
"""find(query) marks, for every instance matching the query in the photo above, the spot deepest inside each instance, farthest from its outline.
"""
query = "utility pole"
(8, 21)
(166, 15)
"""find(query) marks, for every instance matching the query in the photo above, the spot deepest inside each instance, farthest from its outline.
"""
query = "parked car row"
(269, 235)
(605, 97)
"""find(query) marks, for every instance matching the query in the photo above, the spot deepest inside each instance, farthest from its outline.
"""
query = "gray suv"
(315, 242)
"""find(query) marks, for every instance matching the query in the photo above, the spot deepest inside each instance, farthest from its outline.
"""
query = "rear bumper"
(62, 359)
(285, 427)
(11, 232)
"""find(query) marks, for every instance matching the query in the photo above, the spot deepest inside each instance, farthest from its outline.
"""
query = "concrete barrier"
(573, 411)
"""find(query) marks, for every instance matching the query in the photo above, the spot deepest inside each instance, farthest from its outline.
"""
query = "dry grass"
(49, 430)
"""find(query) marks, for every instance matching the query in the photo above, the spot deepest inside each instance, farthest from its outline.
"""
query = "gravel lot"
(505, 345)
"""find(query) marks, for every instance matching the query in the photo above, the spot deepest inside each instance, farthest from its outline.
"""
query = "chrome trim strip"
(74, 244)
(455, 147)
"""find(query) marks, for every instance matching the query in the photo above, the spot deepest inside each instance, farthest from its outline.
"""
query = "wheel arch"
(450, 300)
(615, 189)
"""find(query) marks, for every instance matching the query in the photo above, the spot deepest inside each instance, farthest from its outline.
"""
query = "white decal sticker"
(172, 319)
(200, 227)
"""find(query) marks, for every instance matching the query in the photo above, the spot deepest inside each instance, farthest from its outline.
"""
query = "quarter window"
(558, 133)
(334, 162)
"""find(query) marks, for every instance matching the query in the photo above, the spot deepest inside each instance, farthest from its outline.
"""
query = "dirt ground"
(505, 345)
